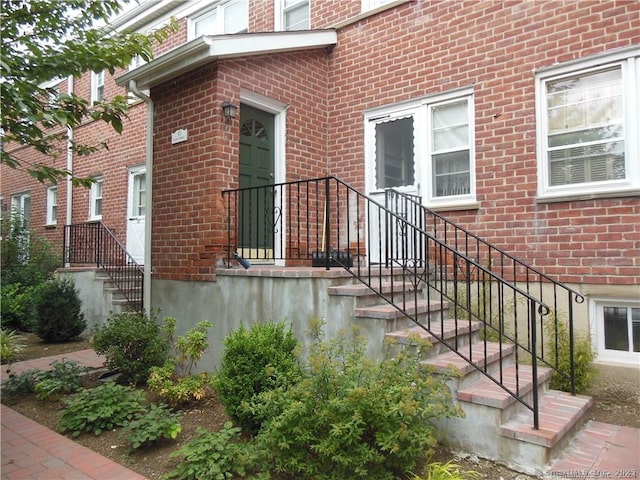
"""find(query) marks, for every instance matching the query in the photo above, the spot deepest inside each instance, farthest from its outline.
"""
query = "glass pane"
(236, 17)
(394, 153)
(297, 18)
(616, 332)
(206, 25)
(585, 115)
(139, 194)
(589, 163)
(451, 175)
(450, 126)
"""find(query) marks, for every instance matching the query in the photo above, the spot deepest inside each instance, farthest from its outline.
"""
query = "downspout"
(69, 206)
(133, 87)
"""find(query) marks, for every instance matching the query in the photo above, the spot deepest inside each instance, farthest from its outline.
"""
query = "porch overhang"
(205, 49)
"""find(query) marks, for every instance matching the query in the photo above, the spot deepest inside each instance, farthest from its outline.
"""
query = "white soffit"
(206, 49)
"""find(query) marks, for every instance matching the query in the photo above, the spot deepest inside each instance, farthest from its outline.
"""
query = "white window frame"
(281, 10)
(96, 194)
(97, 86)
(18, 202)
(628, 60)
(372, 4)
(597, 331)
(52, 205)
(420, 110)
(219, 10)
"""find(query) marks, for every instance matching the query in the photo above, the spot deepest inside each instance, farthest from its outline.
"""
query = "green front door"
(256, 170)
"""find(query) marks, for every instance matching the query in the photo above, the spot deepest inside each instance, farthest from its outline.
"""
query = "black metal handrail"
(95, 244)
(557, 296)
(393, 251)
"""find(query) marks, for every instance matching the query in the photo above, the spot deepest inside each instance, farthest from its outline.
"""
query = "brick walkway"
(31, 451)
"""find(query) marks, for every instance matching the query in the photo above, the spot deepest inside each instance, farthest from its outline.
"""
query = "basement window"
(617, 331)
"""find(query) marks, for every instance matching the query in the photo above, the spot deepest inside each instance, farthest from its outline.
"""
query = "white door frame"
(135, 221)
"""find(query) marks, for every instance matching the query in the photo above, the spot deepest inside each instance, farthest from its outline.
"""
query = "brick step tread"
(387, 311)
(559, 412)
(518, 380)
(446, 329)
(359, 290)
(446, 360)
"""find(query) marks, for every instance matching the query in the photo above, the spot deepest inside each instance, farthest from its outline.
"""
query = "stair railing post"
(534, 362)
(327, 223)
(572, 366)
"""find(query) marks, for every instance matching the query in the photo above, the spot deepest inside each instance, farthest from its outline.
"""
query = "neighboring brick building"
(466, 87)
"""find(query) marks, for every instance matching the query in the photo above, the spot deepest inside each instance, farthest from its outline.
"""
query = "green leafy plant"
(64, 377)
(26, 258)
(214, 455)
(174, 381)
(58, 314)
(255, 360)
(22, 384)
(583, 356)
(101, 408)
(445, 471)
(12, 345)
(152, 425)
(350, 416)
(132, 343)
(17, 307)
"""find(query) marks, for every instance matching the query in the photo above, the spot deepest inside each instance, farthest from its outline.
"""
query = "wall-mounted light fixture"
(229, 110)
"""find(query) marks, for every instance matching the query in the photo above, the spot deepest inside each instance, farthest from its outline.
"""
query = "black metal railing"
(95, 244)
(394, 249)
(557, 296)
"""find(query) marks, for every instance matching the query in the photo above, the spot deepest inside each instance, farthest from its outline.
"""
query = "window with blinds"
(585, 128)
(588, 126)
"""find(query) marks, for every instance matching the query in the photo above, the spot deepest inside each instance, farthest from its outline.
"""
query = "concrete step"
(446, 329)
(517, 379)
(389, 312)
(484, 356)
(560, 414)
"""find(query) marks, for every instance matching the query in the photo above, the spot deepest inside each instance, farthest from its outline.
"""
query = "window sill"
(571, 197)
(454, 207)
(50, 226)
(368, 13)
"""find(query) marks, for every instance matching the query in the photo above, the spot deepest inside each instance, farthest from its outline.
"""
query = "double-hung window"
(292, 15)
(52, 205)
(224, 17)
(424, 148)
(97, 86)
(95, 199)
(588, 126)
(21, 210)
(617, 330)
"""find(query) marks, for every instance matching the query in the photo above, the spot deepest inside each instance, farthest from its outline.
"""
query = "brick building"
(516, 120)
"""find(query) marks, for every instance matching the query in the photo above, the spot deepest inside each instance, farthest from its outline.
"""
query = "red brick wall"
(423, 48)
(189, 214)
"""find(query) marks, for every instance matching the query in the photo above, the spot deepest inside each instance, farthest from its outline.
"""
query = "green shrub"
(11, 345)
(152, 425)
(214, 455)
(583, 356)
(58, 314)
(64, 377)
(350, 416)
(101, 408)
(174, 381)
(132, 343)
(22, 384)
(255, 360)
(26, 258)
(17, 307)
